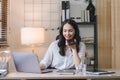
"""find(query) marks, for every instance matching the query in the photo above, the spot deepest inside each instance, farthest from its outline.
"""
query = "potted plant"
(91, 9)
(89, 1)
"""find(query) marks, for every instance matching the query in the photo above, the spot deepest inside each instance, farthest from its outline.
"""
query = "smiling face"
(68, 31)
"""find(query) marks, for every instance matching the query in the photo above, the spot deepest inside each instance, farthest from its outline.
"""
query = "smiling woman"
(61, 54)
(3, 23)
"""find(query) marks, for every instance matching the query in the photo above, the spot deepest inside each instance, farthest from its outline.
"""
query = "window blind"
(3, 23)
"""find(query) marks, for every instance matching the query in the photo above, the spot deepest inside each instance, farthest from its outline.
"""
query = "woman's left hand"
(72, 46)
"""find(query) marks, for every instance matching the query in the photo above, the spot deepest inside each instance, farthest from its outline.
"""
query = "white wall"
(17, 21)
(48, 19)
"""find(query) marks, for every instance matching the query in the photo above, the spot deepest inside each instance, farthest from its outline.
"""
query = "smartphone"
(71, 41)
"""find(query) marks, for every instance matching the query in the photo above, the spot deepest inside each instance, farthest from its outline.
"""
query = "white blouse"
(54, 59)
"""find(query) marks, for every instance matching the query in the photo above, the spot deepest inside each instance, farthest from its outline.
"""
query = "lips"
(68, 38)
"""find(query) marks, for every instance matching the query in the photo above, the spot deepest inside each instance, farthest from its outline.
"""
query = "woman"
(61, 54)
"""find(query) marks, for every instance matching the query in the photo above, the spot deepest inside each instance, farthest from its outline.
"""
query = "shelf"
(88, 32)
(86, 23)
(90, 65)
(90, 42)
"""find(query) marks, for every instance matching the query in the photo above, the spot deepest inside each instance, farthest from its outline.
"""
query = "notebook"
(27, 62)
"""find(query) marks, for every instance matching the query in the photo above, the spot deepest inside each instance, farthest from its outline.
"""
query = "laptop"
(27, 62)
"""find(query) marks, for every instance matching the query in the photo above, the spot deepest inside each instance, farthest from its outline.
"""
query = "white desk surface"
(53, 75)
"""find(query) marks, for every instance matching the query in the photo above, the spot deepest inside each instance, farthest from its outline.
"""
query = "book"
(63, 11)
(67, 9)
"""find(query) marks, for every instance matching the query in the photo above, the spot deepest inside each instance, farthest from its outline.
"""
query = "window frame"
(3, 25)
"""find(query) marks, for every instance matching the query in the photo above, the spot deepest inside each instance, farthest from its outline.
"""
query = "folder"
(63, 11)
(67, 9)
(99, 72)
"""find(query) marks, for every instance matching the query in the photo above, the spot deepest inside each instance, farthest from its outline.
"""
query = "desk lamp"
(32, 36)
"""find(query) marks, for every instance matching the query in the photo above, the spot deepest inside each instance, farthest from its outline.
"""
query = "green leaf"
(89, 1)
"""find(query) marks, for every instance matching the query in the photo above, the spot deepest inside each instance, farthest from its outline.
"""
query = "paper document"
(99, 72)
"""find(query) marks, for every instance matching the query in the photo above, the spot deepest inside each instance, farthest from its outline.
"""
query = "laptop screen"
(26, 62)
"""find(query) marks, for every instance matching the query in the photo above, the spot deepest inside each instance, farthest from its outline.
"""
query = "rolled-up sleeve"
(47, 60)
(82, 54)
(82, 50)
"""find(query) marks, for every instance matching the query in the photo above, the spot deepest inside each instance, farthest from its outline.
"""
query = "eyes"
(69, 30)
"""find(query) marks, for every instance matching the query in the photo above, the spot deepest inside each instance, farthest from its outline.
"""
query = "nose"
(67, 32)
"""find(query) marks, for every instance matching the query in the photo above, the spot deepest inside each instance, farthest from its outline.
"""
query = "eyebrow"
(68, 29)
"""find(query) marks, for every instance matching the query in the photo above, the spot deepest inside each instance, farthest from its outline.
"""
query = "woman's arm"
(81, 54)
(47, 60)
(78, 57)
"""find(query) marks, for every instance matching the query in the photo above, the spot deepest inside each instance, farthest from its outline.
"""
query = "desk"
(52, 75)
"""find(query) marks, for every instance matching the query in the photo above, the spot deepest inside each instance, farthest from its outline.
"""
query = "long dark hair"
(61, 42)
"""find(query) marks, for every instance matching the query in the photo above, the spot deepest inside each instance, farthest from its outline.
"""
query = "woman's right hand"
(42, 66)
